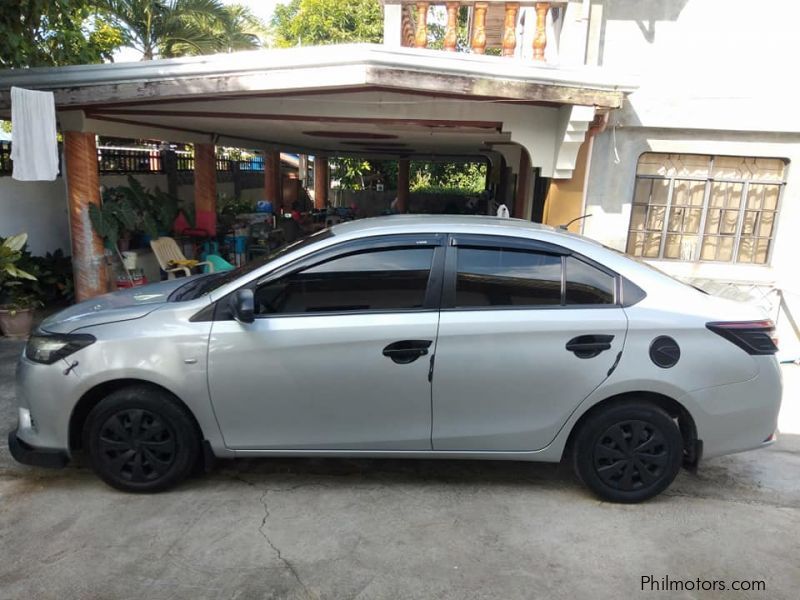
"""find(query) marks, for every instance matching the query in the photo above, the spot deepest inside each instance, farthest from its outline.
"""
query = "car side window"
(586, 284)
(390, 279)
(506, 277)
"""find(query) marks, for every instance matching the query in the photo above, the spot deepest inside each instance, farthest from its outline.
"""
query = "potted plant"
(17, 300)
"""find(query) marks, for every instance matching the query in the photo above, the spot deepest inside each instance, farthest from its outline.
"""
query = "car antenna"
(566, 226)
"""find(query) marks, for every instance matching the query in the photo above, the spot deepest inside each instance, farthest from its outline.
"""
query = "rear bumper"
(37, 457)
(739, 416)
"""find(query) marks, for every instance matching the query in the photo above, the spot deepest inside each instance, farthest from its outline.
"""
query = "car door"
(527, 331)
(338, 355)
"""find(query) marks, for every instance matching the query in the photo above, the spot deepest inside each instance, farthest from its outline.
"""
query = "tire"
(617, 470)
(140, 439)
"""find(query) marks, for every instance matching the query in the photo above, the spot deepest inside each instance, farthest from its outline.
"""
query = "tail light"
(754, 337)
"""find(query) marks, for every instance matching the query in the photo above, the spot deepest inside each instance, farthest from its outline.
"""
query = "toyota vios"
(413, 337)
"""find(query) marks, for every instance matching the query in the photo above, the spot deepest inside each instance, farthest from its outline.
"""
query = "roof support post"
(320, 182)
(272, 179)
(205, 187)
(403, 193)
(522, 198)
(83, 190)
(169, 165)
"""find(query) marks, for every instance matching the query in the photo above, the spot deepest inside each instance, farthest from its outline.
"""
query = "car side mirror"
(242, 305)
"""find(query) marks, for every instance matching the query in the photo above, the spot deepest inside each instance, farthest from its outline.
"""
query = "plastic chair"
(217, 264)
(172, 260)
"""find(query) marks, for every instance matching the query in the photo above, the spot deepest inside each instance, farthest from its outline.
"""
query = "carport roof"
(321, 68)
(347, 100)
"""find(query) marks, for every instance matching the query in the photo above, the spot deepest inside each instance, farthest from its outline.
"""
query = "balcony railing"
(492, 24)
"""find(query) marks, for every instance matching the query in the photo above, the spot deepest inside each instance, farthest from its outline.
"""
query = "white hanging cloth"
(34, 146)
(502, 212)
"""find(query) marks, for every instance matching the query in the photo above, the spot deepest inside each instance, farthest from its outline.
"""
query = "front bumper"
(38, 457)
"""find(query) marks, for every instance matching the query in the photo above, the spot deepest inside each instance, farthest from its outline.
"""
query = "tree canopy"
(41, 33)
(318, 22)
(168, 28)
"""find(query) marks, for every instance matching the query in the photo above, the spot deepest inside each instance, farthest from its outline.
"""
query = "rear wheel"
(139, 439)
(628, 452)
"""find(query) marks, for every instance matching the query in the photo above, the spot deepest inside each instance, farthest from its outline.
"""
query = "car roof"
(477, 224)
(444, 223)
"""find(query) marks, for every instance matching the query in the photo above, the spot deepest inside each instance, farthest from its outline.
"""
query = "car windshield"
(208, 283)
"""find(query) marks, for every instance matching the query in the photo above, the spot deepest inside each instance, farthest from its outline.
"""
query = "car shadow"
(395, 470)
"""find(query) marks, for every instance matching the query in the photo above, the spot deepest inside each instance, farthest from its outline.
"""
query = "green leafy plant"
(54, 277)
(14, 295)
(130, 209)
(227, 209)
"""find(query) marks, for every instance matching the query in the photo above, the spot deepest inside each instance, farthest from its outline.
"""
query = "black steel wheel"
(628, 452)
(140, 439)
(137, 445)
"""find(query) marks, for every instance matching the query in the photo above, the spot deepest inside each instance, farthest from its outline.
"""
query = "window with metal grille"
(695, 207)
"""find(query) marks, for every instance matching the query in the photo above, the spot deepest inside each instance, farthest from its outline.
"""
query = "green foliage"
(37, 33)
(351, 171)
(437, 29)
(54, 282)
(14, 294)
(10, 253)
(469, 176)
(319, 22)
(133, 209)
(227, 209)
(169, 28)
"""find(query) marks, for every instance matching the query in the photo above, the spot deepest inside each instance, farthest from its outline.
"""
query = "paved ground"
(372, 529)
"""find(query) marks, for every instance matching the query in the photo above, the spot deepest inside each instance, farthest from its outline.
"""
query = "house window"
(705, 208)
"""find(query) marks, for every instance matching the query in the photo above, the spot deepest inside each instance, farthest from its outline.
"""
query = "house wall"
(713, 80)
(564, 200)
(40, 207)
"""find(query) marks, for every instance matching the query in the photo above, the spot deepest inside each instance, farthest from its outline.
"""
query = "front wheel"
(628, 452)
(139, 439)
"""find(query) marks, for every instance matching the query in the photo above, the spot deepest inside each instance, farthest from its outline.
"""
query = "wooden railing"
(414, 24)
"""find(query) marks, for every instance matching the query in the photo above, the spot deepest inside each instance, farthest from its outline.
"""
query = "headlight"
(47, 349)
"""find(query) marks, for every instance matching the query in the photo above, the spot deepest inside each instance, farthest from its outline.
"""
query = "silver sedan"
(404, 336)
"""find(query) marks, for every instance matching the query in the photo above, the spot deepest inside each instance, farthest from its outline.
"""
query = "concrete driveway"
(372, 529)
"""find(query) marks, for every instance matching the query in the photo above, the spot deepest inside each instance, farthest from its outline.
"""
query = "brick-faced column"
(205, 188)
(403, 168)
(272, 179)
(320, 182)
(83, 189)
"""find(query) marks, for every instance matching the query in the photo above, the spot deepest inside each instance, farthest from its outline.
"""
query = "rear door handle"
(589, 346)
(407, 351)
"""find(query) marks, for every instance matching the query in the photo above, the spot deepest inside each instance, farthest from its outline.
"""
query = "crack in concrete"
(278, 553)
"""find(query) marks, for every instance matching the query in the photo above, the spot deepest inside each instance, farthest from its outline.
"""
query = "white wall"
(38, 208)
(715, 78)
(705, 64)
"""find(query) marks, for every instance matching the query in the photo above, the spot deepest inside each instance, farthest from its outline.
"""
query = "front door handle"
(407, 351)
(589, 346)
